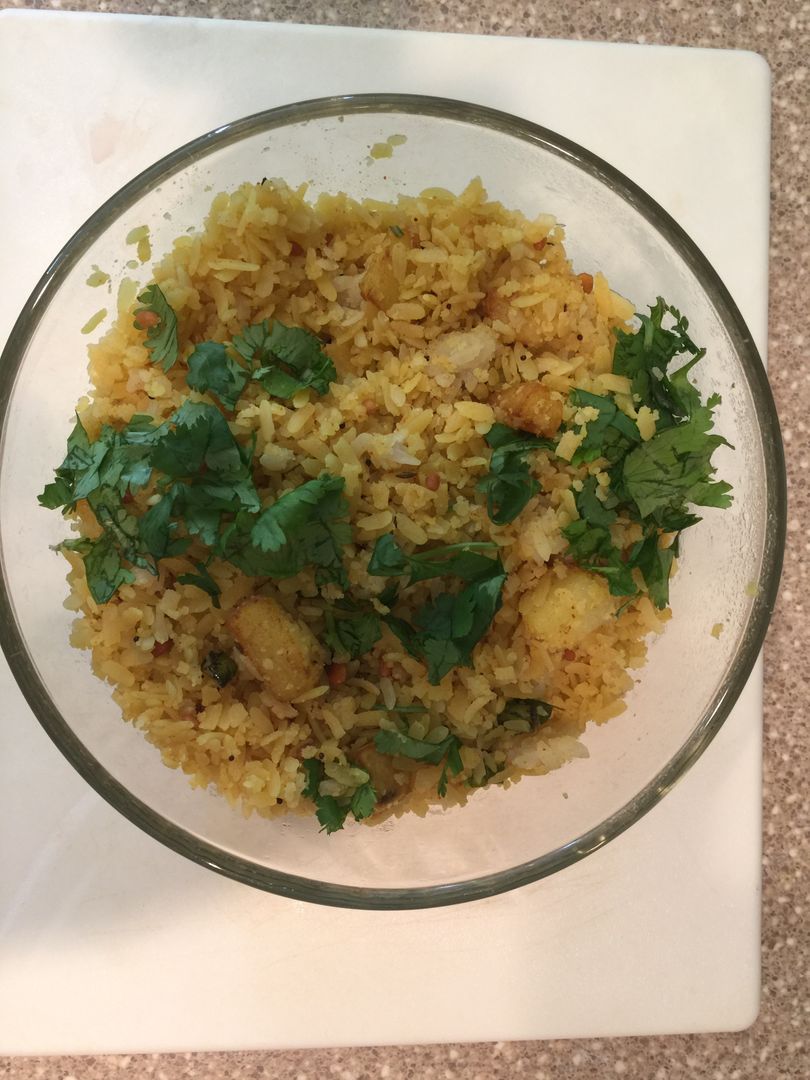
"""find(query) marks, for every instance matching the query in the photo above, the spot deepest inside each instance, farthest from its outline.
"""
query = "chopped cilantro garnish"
(156, 529)
(672, 469)
(592, 547)
(363, 801)
(644, 356)
(282, 359)
(352, 628)
(205, 490)
(161, 329)
(285, 359)
(509, 485)
(199, 438)
(203, 580)
(447, 628)
(212, 369)
(116, 459)
(306, 526)
(445, 752)
(592, 509)
(331, 811)
(313, 770)
(653, 483)
(608, 436)
(103, 566)
(655, 564)
(463, 560)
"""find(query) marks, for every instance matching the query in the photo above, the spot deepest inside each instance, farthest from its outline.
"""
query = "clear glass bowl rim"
(328, 893)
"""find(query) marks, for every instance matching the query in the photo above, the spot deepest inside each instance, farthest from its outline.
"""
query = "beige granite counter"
(777, 1047)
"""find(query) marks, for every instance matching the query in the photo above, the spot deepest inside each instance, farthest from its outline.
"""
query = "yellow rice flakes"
(426, 305)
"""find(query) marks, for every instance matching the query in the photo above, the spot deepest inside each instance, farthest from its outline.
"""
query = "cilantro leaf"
(453, 765)
(593, 549)
(211, 368)
(199, 438)
(655, 564)
(330, 811)
(674, 468)
(610, 435)
(445, 752)
(80, 472)
(463, 560)
(653, 482)
(304, 527)
(285, 359)
(196, 439)
(161, 337)
(594, 510)
(156, 529)
(388, 597)
(202, 476)
(57, 493)
(509, 485)
(396, 742)
(363, 801)
(120, 526)
(200, 447)
(202, 503)
(448, 628)
(104, 568)
(203, 580)
(352, 629)
(644, 356)
(313, 770)
(143, 431)
(307, 527)
(115, 459)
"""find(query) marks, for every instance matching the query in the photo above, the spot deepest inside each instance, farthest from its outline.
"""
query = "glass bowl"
(728, 574)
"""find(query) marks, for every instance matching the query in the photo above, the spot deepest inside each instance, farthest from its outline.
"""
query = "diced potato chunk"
(283, 650)
(379, 284)
(562, 612)
(530, 406)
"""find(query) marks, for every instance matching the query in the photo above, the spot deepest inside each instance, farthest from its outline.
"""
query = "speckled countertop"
(777, 1047)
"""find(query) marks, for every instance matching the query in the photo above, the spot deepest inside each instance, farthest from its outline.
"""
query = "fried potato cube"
(283, 650)
(530, 406)
(563, 612)
(379, 284)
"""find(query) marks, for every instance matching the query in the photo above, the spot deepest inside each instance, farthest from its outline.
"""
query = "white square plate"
(109, 942)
